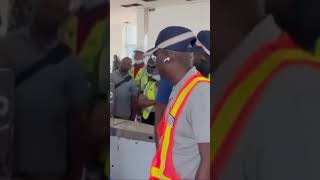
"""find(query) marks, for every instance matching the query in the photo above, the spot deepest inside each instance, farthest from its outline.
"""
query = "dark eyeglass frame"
(153, 57)
(153, 67)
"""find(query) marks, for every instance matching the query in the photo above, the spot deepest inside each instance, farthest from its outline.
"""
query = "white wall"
(4, 11)
(142, 18)
(193, 16)
(123, 38)
(116, 40)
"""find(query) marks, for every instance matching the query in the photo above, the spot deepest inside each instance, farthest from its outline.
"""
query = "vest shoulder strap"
(184, 94)
(231, 112)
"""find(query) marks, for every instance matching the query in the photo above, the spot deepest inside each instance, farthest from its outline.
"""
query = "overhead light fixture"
(131, 5)
(149, 0)
(151, 9)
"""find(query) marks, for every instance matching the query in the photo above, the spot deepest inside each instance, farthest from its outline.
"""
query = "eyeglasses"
(154, 58)
(152, 67)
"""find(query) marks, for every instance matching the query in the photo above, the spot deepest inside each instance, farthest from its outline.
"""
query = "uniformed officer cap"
(174, 38)
(203, 41)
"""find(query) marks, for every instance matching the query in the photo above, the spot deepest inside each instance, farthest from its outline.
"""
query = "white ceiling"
(120, 14)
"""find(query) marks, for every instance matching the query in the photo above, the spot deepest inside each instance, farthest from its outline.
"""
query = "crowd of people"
(59, 125)
(171, 91)
(137, 81)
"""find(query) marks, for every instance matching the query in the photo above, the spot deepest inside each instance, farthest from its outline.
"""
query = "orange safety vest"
(232, 111)
(162, 163)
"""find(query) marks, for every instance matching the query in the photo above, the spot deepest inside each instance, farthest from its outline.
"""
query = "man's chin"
(163, 77)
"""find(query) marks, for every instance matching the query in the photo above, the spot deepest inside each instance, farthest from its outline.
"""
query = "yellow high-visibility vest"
(138, 76)
(150, 91)
(144, 80)
(94, 44)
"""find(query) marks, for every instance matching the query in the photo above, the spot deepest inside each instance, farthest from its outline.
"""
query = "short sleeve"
(164, 92)
(77, 85)
(199, 104)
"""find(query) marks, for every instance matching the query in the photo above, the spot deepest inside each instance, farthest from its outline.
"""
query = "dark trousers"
(150, 120)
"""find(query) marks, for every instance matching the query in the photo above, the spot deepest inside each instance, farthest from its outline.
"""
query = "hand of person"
(143, 98)
(145, 102)
(142, 101)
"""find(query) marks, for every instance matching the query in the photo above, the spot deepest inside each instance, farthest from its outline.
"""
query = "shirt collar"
(265, 31)
(191, 72)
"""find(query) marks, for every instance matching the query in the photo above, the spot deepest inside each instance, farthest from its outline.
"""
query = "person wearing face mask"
(147, 71)
(137, 68)
(149, 88)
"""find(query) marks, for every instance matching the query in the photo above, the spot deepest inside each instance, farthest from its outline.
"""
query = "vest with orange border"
(233, 108)
(162, 164)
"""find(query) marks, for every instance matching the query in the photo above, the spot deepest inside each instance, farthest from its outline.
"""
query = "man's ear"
(167, 59)
(172, 56)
